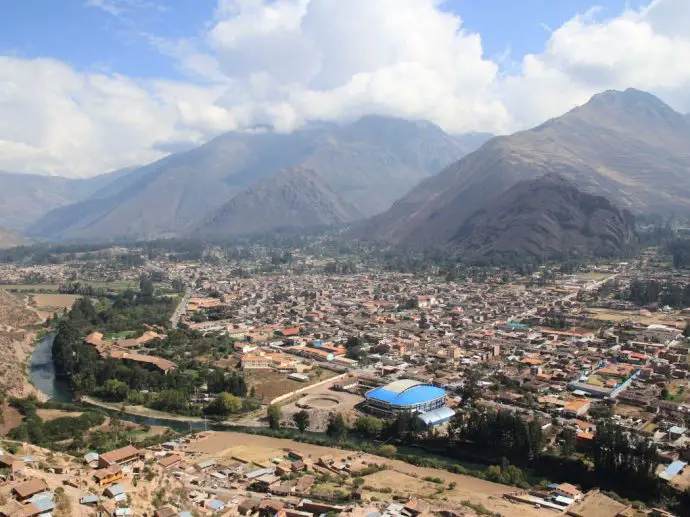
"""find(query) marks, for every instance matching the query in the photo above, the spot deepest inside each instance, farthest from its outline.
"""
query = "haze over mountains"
(24, 198)
(9, 239)
(627, 146)
(367, 165)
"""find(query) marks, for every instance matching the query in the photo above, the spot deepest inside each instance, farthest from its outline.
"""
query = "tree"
(686, 332)
(369, 426)
(146, 288)
(224, 404)
(337, 428)
(274, 417)
(387, 451)
(470, 388)
(569, 441)
(301, 420)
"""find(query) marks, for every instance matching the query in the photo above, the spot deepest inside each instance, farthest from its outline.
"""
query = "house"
(248, 506)
(108, 475)
(42, 506)
(205, 465)
(568, 490)
(166, 511)
(170, 461)
(91, 458)
(94, 339)
(30, 488)
(122, 456)
(116, 492)
(159, 363)
(88, 499)
(577, 407)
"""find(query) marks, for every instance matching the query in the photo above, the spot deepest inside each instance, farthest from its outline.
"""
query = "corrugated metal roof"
(401, 385)
(673, 470)
(437, 415)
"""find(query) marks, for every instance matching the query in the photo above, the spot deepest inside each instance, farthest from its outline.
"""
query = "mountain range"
(547, 217)
(25, 198)
(627, 146)
(363, 167)
(9, 239)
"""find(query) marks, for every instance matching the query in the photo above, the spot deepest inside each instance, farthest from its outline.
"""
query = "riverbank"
(18, 331)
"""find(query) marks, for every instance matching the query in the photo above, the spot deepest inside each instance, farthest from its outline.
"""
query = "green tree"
(301, 420)
(224, 404)
(569, 440)
(686, 331)
(274, 416)
(470, 388)
(387, 451)
(115, 390)
(369, 426)
(337, 428)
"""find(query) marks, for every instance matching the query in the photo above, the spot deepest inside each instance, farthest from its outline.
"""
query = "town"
(342, 386)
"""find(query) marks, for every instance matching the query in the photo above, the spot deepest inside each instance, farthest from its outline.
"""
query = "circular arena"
(405, 395)
(320, 401)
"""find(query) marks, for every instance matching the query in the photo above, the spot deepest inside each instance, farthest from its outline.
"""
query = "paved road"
(179, 311)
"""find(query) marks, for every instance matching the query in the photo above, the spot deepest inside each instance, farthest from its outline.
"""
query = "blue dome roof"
(416, 393)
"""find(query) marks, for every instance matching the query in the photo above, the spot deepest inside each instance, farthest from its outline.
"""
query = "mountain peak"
(633, 104)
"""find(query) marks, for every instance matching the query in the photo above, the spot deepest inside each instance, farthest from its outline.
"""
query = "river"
(42, 371)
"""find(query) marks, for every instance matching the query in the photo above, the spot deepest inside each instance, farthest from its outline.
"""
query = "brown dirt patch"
(11, 418)
(51, 414)
(270, 384)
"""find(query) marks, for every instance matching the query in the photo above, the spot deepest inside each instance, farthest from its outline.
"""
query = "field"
(407, 479)
(48, 304)
(616, 316)
(270, 384)
(51, 414)
(119, 285)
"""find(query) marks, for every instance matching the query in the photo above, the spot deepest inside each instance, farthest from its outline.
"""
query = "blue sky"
(91, 38)
(88, 86)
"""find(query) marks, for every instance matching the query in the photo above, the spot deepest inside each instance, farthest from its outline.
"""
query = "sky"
(89, 86)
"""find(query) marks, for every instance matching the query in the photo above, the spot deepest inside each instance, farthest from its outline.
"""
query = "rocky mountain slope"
(370, 163)
(547, 218)
(296, 198)
(9, 239)
(24, 198)
(628, 146)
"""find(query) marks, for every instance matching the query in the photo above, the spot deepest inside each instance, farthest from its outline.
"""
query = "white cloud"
(642, 49)
(286, 61)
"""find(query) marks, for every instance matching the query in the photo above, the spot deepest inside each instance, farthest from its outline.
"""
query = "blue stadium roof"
(406, 393)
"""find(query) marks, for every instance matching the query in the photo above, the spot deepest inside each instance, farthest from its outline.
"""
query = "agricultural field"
(49, 304)
(118, 285)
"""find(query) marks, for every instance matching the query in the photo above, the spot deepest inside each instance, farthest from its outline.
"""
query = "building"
(108, 475)
(123, 456)
(405, 395)
(28, 489)
(437, 417)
